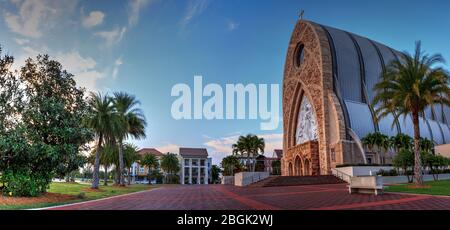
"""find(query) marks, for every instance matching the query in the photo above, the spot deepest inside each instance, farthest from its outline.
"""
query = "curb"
(96, 200)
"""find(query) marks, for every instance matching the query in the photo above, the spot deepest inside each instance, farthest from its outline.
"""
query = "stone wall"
(313, 79)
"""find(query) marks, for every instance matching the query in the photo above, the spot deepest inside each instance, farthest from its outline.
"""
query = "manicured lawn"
(65, 193)
(431, 187)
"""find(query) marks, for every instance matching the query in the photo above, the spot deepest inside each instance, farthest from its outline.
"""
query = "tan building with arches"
(327, 89)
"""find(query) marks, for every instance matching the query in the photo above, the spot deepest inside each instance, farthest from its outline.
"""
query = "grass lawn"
(65, 193)
(431, 187)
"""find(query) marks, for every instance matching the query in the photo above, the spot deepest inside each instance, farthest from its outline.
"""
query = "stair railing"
(341, 175)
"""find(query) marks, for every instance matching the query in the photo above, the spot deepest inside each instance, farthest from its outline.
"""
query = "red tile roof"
(278, 153)
(193, 152)
(152, 151)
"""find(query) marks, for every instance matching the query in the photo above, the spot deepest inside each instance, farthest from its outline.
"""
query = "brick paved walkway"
(220, 197)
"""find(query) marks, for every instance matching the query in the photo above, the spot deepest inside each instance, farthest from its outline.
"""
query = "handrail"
(341, 175)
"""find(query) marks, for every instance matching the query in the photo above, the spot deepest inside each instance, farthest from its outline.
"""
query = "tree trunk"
(129, 176)
(116, 177)
(95, 174)
(121, 166)
(105, 183)
(417, 162)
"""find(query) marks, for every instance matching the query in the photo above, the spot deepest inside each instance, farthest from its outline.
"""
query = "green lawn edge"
(77, 188)
(440, 188)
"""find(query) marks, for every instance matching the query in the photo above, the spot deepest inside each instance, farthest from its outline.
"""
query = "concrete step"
(275, 181)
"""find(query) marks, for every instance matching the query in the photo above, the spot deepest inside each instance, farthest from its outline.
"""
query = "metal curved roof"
(358, 64)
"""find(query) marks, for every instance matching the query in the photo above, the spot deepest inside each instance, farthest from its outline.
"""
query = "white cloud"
(232, 25)
(117, 64)
(34, 17)
(194, 9)
(112, 37)
(135, 7)
(21, 41)
(84, 69)
(169, 148)
(94, 18)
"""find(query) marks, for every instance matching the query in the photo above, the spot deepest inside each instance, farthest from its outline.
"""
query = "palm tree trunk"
(95, 179)
(417, 162)
(129, 176)
(105, 183)
(121, 166)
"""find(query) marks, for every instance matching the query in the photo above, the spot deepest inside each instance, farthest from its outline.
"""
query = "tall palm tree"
(130, 123)
(401, 141)
(377, 142)
(170, 165)
(100, 120)
(130, 155)
(151, 162)
(107, 153)
(250, 147)
(230, 164)
(408, 86)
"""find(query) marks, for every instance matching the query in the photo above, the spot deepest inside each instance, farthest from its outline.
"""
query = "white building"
(195, 166)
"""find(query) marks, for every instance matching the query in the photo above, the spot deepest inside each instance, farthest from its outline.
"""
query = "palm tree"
(230, 165)
(170, 164)
(401, 141)
(107, 153)
(250, 147)
(130, 123)
(100, 120)
(130, 156)
(151, 162)
(378, 142)
(408, 86)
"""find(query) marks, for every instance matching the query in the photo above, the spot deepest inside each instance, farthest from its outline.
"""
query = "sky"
(145, 47)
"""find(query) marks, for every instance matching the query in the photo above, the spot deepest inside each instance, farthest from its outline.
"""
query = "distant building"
(195, 166)
(140, 172)
(266, 162)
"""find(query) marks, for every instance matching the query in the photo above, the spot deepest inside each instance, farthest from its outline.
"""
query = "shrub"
(391, 172)
(21, 183)
(81, 195)
(361, 164)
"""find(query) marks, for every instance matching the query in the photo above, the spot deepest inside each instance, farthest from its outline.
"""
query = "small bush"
(81, 195)
(391, 172)
(23, 184)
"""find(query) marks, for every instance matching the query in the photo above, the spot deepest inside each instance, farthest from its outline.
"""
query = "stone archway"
(307, 168)
(290, 169)
(298, 166)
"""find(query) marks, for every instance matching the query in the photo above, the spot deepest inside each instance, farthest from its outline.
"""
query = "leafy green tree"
(101, 120)
(171, 165)
(42, 133)
(130, 123)
(230, 165)
(408, 86)
(404, 160)
(215, 172)
(249, 147)
(276, 167)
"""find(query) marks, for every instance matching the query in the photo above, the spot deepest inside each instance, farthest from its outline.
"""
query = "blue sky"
(147, 46)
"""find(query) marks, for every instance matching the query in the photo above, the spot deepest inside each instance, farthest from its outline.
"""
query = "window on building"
(299, 55)
(202, 162)
(333, 155)
(194, 162)
(186, 162)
